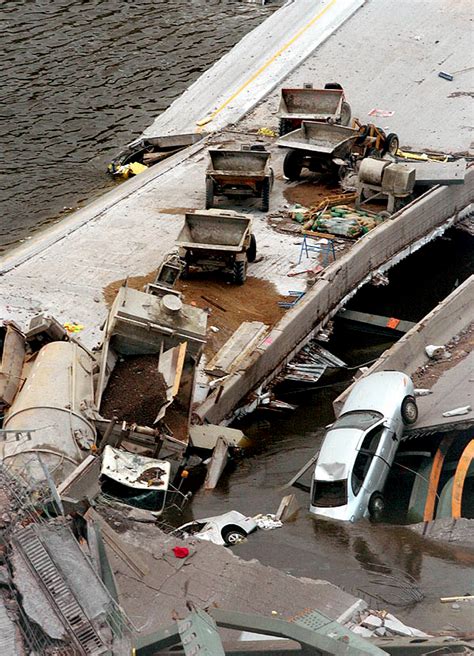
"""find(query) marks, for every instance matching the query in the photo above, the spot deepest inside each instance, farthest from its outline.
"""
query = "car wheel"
(376, 507)
(409, 410)
(232, 535)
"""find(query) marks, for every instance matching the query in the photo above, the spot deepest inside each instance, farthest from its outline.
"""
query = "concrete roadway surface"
(253, 67)
(126, 232)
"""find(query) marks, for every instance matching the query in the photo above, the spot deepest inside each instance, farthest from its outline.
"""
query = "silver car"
(360, 446)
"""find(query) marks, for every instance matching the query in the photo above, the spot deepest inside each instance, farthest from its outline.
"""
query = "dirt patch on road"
(135, 282)
(310, 193)
(459, 347)
(229, 305)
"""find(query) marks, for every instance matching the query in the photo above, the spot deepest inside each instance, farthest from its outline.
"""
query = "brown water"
(78, 81)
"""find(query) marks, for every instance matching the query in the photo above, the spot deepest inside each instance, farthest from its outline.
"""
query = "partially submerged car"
(226, 529)
(360, 446)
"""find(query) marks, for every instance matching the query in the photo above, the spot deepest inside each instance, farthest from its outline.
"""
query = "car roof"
(231, 516)
(382, 391)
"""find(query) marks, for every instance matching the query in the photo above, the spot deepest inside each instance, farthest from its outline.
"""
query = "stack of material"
(341, 220)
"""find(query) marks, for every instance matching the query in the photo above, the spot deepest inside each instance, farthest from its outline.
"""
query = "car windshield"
(329, 494)
(360, 419)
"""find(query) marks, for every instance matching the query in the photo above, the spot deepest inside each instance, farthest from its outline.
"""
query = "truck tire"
(346, 113)
(209, 193)
(252, 249)
(240, 272)
(292, 165)
(284, 127)
(265, 206)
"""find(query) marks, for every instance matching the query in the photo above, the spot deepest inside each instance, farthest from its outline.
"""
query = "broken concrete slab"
(205, 436)
(213, 576)
(432, 173)
(237, 347)
(217, 464)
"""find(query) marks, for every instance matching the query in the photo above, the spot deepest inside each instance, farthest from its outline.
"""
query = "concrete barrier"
(396, 238)
(446, 320)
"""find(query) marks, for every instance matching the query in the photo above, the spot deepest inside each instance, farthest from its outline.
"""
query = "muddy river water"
(78, 81)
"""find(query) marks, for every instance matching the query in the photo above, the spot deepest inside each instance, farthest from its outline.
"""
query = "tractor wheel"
(209, 193)
(252, 249)
(346, 113)
(265, 206)
(292, 165)
(240, 272)
(284, 127)
(392, 144)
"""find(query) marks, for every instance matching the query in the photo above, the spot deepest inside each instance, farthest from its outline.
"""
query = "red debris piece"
(181, 552)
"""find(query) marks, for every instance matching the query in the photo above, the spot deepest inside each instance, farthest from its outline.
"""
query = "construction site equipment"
(382, 179)
(53, 405)
(212, 240)
(323, 246)
(375, 141)
(320, 147)
(308, 104)
(244, 172)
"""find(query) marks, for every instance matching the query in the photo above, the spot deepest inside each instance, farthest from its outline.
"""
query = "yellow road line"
(266, 65)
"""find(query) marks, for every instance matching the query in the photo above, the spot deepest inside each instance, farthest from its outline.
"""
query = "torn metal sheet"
(82, 482)
(237, 348)
(170, 365)
(135, 471)
(207, 436)
(311, 363)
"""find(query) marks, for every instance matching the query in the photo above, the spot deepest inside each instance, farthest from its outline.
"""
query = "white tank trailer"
(47, 422)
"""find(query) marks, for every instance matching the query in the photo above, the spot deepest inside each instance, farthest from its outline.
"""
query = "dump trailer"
(211, 240)
(244, 172)
(320, 147)
(326, 105)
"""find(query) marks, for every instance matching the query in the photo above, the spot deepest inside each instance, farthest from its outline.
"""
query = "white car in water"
(360, 446)
(227, 529)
